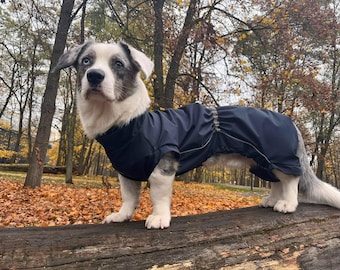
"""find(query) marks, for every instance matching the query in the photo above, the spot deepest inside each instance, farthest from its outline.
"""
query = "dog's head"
(106, 71)
(110, 90)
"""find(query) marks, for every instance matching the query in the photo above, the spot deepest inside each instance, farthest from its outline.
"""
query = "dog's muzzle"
(95, 76)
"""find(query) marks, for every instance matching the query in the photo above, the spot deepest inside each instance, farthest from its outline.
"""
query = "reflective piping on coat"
(245, 142)
(218, 129)
(198, 148)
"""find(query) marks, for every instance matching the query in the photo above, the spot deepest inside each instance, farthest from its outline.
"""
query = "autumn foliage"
(58, 204)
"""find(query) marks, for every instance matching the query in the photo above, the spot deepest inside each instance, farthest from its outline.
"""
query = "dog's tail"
(312, 188)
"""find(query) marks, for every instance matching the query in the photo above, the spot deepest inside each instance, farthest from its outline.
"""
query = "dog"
(113, 105)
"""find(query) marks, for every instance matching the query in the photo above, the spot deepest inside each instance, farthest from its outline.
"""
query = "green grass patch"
(96, 181)
(78, 181)
(240, 189)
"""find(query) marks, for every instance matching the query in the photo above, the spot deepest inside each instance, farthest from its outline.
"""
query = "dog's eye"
(86, 61)
(118, 64)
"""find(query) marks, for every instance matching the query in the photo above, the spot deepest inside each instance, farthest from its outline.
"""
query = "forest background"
(278, 55)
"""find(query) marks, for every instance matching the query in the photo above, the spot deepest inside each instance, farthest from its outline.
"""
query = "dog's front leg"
(161, 184)
(130, 195)
(160, 193)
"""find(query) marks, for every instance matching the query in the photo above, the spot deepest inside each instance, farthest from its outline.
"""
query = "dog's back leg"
(130, 190)
(283, 196)
(289, 196)
(274, 195)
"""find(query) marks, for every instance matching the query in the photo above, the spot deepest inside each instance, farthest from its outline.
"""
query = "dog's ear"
(70, 57)
(145, 63)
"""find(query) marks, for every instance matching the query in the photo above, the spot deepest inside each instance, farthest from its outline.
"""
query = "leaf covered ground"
(59, 204)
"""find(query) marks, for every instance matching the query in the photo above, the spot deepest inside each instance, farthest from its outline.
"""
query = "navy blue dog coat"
(194, 133)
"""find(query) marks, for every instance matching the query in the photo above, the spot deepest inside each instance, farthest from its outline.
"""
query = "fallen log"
(24, 168)
(249, 238)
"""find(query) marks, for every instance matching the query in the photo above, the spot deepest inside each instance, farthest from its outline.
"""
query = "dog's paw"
(284, 206)
(268, 202)
(116, 217)
(158, 221)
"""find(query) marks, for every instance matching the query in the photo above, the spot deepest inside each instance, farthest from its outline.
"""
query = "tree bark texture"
(158, 54)
(70, 144)
(249, 238)
(37, 159)
(169, 88)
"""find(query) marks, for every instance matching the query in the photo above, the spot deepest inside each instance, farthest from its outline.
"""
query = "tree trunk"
(18, 137)
(62, 139)
(177, 55)
(73, 116)
(30, 98)
(35, 171)
(249, 238)
(88, 158)
(82, 160)
(70, 144)
(158, 54)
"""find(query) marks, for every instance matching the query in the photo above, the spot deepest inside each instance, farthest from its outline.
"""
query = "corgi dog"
(113, 105)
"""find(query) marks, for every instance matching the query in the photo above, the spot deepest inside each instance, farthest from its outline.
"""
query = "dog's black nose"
(95, 76)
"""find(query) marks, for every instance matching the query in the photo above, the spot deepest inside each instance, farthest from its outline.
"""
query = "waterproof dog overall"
(194, 133)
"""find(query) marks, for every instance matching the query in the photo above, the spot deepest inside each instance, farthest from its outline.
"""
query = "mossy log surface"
(249, 238)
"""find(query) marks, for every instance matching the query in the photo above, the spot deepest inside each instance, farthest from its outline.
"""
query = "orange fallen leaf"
(59, 204)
